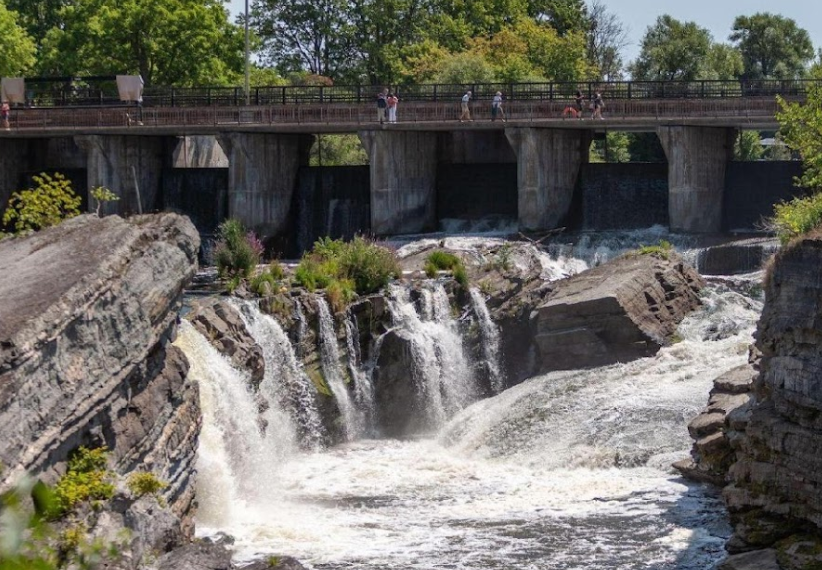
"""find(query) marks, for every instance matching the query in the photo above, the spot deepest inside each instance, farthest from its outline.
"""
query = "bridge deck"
(619, 114)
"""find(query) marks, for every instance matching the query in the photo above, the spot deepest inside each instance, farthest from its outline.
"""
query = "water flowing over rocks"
(88, 310)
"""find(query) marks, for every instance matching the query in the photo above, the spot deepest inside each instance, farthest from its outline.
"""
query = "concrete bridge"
(264, 147)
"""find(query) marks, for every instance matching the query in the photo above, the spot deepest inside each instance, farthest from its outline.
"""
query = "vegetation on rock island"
(236, 253)
(439, 260)
(345, 269)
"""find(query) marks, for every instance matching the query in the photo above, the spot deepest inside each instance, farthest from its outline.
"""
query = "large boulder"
(621, 310)
(88, 310)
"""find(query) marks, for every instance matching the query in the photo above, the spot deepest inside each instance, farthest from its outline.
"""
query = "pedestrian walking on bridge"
(465, 115)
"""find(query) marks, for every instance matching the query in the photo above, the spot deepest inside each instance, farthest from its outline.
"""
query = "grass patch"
(797, 217)
(662, 250)
(444, 261)
(346, 269)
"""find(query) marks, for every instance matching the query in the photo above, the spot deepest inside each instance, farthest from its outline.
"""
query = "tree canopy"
(18, 53)
(174, 42)
(772, 46)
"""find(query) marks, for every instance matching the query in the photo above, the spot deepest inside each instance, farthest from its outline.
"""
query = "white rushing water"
(285, 383)
(362, 378)
(333, 372)
(441, 371)
(491, 342)
(569, 470)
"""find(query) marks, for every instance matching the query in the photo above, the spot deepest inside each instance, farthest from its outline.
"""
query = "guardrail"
(91, 91)
(354, 115)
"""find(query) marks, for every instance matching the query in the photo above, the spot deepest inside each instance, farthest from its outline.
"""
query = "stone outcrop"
(728, 411)
(621, 310)
(217, 320)
(88, 310)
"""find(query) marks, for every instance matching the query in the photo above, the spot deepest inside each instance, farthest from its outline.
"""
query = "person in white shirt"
(496, 107)
(466, 112)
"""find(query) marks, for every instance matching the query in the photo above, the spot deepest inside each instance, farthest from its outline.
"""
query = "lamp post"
(247, 72)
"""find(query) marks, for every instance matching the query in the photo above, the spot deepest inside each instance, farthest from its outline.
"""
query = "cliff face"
(88, 310)
(775, 485)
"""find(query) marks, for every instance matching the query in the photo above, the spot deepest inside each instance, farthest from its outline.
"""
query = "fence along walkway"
(349, 117)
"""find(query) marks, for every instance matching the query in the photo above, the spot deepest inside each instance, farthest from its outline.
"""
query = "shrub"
(662, 250)
(443, 260)
(276, 270)
(797, 217)
(460, 275)
(264, 284)
(368, 266)
(339, 293)
(86, 479)
(102, 195)
(48, 204)
(237, 252)
(145, 483)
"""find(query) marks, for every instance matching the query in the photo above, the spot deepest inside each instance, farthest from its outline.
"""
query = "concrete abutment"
(697, 160)
(548, 164)
(403, 180)
(262, 177)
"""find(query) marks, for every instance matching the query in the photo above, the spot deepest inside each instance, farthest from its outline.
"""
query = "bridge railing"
(350, 117)
(96, 91)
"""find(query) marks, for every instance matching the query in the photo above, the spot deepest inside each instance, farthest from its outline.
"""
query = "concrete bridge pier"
(548, 164)
(697, 158)
(262, 176)
(403, 180)
(125, 165)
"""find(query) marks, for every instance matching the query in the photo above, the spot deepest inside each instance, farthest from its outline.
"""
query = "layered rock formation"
(88, 310)
(619, 311)
(765, 441)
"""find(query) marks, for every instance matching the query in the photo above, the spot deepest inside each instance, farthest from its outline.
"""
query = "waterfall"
(236, 457)
(333, 372)
(285, 381)
(302, 325)
(490, 337)
(441, 369)
(363, 386)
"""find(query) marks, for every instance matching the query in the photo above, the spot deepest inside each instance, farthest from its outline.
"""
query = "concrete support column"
(262, 176)
(403, 180)
(198, 151)
(126, 165)
(697, 158)
(548, 163)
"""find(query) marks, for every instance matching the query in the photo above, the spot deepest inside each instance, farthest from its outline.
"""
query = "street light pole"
(247, 72)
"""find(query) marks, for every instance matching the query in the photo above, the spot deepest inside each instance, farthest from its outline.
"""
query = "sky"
(715, 15)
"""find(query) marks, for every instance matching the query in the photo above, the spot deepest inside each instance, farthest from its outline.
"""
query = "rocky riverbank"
(761, 434)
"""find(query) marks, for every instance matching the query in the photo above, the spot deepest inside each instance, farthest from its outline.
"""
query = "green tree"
(563, 15)
(800, 127)
(18, 53)
(313, 35)
(168, 42)
(748, 146)
(772, 46)
(38, 16)
(672, 51)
